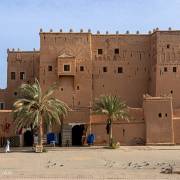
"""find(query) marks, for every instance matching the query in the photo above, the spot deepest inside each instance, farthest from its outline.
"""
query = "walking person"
(7, 148)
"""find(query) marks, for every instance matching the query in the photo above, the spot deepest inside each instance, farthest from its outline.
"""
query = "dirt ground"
(127, 162)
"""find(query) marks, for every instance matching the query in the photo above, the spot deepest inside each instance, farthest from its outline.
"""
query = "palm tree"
(37, 109)
(113, 108)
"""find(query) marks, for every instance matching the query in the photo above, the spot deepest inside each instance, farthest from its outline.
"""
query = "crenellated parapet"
(127, 32)
(18, 50)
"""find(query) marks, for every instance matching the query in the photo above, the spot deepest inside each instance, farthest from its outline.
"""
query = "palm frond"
(112, 106)
(31, 106)
(49, 92)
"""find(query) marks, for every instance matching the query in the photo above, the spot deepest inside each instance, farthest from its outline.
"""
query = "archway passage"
(28, 138)
(77, 133)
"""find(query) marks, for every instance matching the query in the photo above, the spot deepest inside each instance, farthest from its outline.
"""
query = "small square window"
(100, 51)
(120, 70)
(13, 75)
(66, 67)
(104, 69)
(174, 69)
(165, 69)
(49, 68)
(22, 75)
(160, 115)
(81, 68)
(116, 51)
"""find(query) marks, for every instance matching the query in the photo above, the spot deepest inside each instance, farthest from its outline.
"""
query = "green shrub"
(114, 144)
(44, 150)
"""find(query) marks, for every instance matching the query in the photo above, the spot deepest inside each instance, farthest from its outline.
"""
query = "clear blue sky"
(20, 20)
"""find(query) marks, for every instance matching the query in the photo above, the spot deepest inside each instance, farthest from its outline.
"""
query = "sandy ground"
(143, 162)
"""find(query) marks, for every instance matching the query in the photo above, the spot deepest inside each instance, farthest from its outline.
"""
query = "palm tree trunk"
(40, 140)
(110, 133)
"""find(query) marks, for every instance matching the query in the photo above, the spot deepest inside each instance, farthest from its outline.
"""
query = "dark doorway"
(28, 138)
(77, 132)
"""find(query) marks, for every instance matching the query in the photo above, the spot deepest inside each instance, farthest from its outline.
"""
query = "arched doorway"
(28, 138)
(77, 132)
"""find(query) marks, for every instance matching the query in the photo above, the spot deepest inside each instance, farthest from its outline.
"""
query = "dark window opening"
(62, 89)
(160, 115)
(168, 46)
(78, 102)
(120, 70)
(174, 69)
(22, 75)
(49, 68)
(81, 68)
(1, 106)
(116, 51)
(66, 67)
(165, 69)
(104, 69)
(15, 93)
(13, 75)
(171, 91)
(166, 114)
(123, 132)
(100, 51)
(77, 87)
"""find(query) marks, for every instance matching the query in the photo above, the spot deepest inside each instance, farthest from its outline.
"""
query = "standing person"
(7, 149)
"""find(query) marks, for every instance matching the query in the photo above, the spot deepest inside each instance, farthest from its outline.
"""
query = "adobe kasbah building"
(142, 69)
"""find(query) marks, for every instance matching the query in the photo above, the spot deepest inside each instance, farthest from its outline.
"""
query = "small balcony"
(66, 65)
